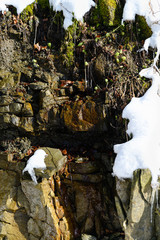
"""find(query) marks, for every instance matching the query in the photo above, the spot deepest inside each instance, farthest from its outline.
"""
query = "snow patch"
(36, 162)
(143, 150)
(19, 4)
(69, 7)
(150, 9)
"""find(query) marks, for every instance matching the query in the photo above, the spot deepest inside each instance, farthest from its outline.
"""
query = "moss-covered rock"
(143, 28)
(68, 45)
(108, 13)
(8, 79)
(29, 10)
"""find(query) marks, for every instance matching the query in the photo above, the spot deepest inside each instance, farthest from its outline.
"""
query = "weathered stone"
(22, 200)
(15, 108)
(92, 178)
(6, 79)
(42, 119)
(81, 209)
(100, 67)
(33, 228)
(54, 162)
(145, 182)
(19, 99)
(13, 225)
(47, 77)
(46, 99)
(35, 198)
(107, 161)
(27, 110)
(38, 85)
(89, 225)
(81, 116)
(4, 120)
(5, 100)
(8, 183)
(15, 120)
(59, 209)
(139, 224)
(6, 157)
(42, 212)
(123, 188)
(12, 220)
(88, 237)
(84, 168)
(27, 124)
(4, 109)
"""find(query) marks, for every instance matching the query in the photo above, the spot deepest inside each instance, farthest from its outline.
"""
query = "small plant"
(49, 45)
(34, 61)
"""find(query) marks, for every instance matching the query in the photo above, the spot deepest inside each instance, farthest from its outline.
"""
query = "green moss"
(107, 12)
(143, 28)
(8, 80)
(68, 45)
(29, 10)
(43, 3)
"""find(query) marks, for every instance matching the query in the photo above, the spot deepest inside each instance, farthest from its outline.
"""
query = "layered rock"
(137, 207)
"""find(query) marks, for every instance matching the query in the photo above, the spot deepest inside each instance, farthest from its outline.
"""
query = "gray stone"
(46, 99)
(139, 224)
(90, 178)
(15, 108)
(81, 209)
(84, 168)
(15, 120)
(5, 100)
(33, 228)
(4, 109)
(123, 188)
(38, 85)
(34, 196)
(88, 237)
(27, 110)
(54, 162)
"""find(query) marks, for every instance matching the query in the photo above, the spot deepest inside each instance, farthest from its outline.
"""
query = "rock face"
(67, 201)
(138, 210)
(45, 103)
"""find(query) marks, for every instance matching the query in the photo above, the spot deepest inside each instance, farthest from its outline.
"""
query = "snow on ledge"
(69, 7)
(143, 150)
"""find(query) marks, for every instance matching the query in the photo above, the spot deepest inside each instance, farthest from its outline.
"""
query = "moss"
(43, 3)
(143, 28)
(29, 10)
(107, 12)
(68, 45)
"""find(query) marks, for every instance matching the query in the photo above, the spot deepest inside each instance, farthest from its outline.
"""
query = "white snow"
(78, 7)
(36, 161)
(150, 9)
(69, 7)
(143, 150)
(19, 4)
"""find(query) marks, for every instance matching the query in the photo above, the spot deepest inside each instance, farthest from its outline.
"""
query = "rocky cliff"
(64, 91)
